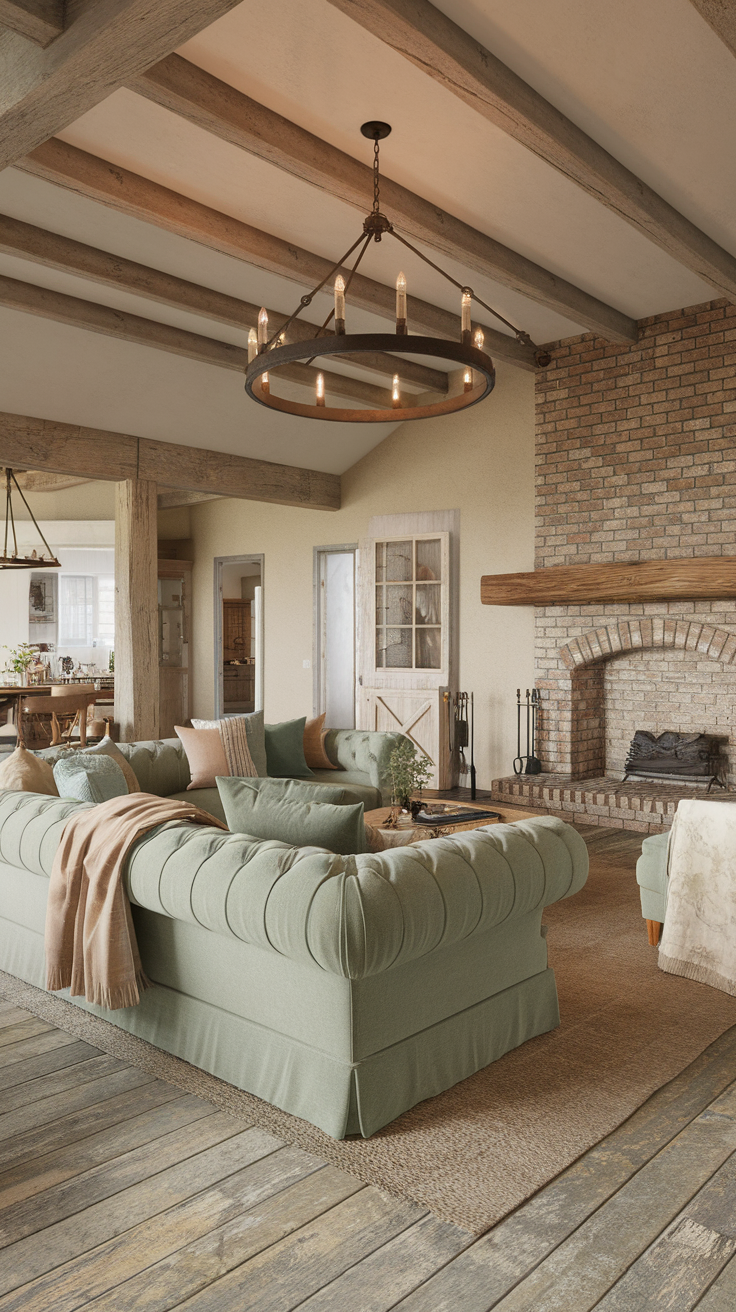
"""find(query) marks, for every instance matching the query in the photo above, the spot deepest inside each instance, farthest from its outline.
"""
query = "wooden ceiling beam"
(216, 107)
(721, 16)
(77, 313)
(129, 193)
(40, 21)
(43, 444)
(35, 480)
(445, 52)
(171, 500)
(56, 252)
(106, 44)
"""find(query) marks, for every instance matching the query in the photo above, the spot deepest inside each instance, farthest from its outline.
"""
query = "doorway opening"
(334, 634)
(238, 635)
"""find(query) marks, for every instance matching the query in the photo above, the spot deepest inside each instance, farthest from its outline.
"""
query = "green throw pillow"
(263, 813)
(285, 750)
(89, 778)
(303, 790)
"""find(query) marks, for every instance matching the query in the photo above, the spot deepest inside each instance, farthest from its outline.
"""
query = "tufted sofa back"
(351, 916)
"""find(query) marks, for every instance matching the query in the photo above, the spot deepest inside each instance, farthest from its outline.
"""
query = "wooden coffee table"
(507, 814)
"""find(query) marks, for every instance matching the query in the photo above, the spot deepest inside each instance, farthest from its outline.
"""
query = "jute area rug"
(474, 1153)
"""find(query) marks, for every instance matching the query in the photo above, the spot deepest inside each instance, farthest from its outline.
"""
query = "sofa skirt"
(339, 1097)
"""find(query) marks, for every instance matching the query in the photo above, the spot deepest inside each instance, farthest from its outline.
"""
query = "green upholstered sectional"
(342, 989)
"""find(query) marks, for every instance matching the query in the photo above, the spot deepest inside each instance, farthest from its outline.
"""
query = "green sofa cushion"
(354, 782)
(285, 750)
(306, 790)
(208, 799)
(89, 778)
(265, 812)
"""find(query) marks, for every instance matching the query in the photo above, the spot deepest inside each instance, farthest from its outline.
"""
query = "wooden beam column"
(136, 610)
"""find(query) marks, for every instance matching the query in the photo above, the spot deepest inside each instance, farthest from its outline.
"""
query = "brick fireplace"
(636, 460)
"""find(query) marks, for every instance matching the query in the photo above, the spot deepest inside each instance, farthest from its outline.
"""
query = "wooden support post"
(136, 610)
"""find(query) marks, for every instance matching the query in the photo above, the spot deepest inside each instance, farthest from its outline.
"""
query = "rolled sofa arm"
(367, 751)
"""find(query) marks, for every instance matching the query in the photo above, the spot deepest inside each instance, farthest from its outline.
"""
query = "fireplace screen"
(695, 756)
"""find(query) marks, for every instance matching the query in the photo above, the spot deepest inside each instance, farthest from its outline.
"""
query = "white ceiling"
(650, 82)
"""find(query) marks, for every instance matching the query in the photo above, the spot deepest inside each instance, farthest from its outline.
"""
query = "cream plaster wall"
(481, 462)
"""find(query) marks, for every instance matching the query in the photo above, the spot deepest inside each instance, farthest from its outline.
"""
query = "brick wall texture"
(636, 460)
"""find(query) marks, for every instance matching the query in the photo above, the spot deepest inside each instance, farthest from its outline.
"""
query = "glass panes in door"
(409, 604)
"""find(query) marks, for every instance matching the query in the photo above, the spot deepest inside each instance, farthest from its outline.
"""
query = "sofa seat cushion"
(208, 799)
(354, 781)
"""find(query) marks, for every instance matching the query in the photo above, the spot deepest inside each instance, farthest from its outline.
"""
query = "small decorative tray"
(453, 815)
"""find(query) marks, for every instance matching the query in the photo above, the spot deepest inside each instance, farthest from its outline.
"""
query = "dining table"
(12, 695)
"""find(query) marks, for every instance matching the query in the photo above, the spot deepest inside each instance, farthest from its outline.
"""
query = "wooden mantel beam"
(216, 107)
(53, 251)
(102, 46)
(445, 52)
(647, 580)
(129, 193)
(42, 444)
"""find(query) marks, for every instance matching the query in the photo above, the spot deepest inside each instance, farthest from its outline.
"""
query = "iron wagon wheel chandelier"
(266, 353)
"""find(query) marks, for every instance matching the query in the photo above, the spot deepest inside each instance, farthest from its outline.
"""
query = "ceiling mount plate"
(375, 130)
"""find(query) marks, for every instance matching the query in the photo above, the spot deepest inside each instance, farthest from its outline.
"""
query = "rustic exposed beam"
(30, 443)
(216, 107)
(437, 46)
(721, 16)
(106, 44)
(57, 252)
(170, 500)
(88, 175)
(35, 480)
(40, 21)
(639, 581)
(71, 310)
(136, 611)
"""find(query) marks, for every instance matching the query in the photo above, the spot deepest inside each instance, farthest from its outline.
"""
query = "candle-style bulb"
(401, 304)
(479, 338)
(252, 345)
(262, 326)
(265, 385)
(395, 393)
(320, 389)
(339, 304)
(465, 305)
(468, 380)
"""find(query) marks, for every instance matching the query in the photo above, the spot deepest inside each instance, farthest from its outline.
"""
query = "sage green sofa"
(341, 989)
(361, 759)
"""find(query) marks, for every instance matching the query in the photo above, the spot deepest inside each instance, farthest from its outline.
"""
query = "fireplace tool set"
(462, 731)
(528, 764)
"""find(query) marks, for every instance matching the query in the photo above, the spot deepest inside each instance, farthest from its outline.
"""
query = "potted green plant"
(409, 774)
(20, 658)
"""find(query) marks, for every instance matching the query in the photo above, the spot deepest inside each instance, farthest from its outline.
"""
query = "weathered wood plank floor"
(121, 1193)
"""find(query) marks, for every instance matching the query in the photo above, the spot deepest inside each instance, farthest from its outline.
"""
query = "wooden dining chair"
(51, 721)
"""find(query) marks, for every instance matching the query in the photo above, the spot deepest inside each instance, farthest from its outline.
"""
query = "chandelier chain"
(376, 179)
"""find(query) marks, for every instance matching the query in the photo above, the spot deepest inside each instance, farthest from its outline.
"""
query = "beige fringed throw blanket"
(699, 936)
(91, 947)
